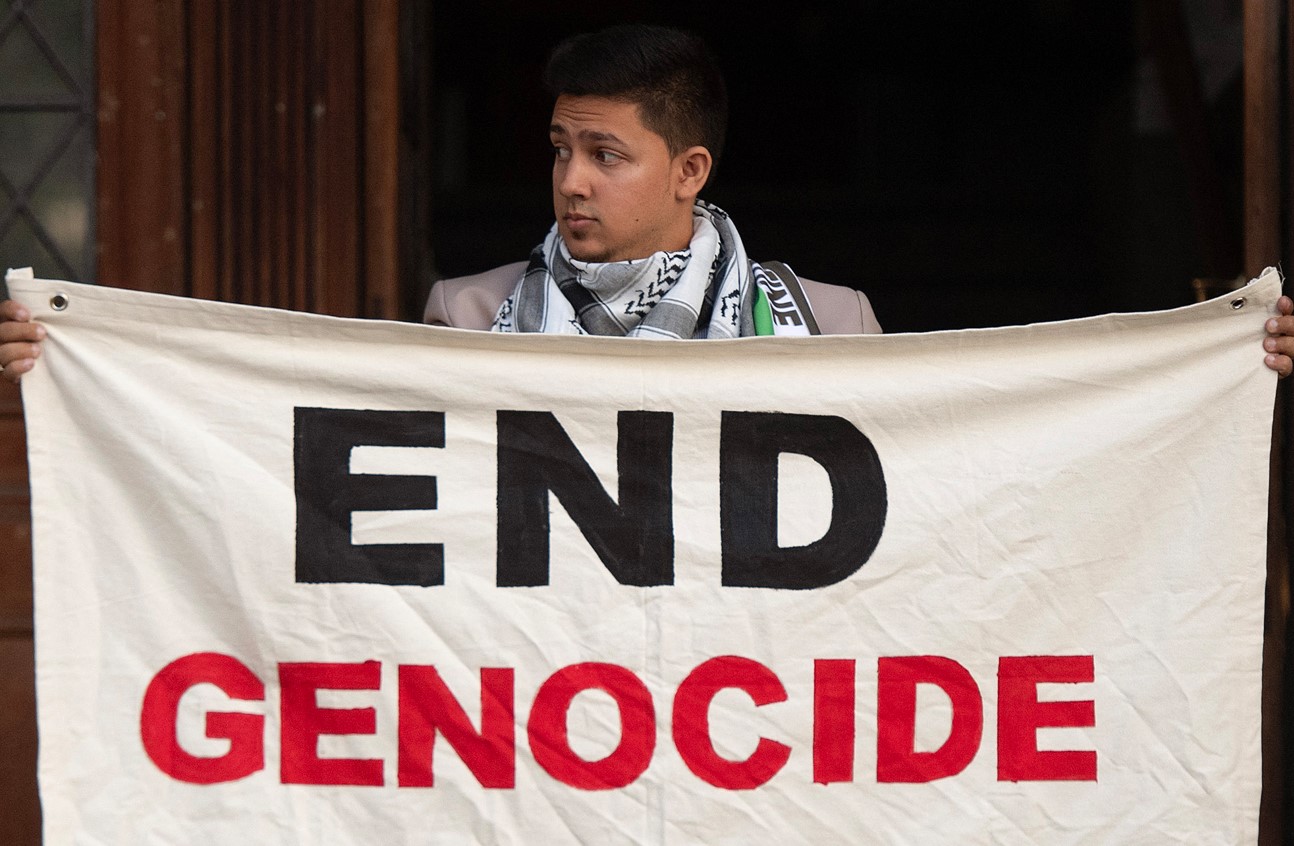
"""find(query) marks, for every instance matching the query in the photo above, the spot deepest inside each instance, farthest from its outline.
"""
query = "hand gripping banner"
(320, 581)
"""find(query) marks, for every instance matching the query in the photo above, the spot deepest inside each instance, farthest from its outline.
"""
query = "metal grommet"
(58, 302)
(1238, 303)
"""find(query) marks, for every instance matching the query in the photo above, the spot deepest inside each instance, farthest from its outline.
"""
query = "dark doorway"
(965, 164)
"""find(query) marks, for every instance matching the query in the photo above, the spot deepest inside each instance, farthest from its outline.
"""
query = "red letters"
(692, 722)
(896, 719)
(547, 727)
(1020, 715)
(244, 732)
(427, 706)
(304, 721)
(833, 721)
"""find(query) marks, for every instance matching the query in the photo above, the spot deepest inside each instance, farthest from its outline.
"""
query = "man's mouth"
(577, 222)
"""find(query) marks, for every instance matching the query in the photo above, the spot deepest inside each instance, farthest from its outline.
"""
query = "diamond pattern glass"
(47, 137)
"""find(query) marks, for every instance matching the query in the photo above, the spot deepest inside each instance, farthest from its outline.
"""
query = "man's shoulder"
(470, 302)
(840, 310)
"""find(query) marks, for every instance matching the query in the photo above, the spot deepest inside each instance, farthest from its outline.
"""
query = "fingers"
(14, 371)
(19, 340)
(1282, 364)
(14, 310)
(12, 331)
(17, 358)
(1279, 342)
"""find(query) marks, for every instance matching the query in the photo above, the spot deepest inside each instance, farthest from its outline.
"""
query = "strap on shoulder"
(785, 284)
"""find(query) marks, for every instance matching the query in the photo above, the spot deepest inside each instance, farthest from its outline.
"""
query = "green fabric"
(763, 313)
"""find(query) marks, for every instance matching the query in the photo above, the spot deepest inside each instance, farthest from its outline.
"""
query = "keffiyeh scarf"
(705, 291)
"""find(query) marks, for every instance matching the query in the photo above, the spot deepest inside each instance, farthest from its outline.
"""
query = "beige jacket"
(470, 302)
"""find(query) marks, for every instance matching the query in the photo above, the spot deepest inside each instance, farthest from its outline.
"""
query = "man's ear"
(693, 167)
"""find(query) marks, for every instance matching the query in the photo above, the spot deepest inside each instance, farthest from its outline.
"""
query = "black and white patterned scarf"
(704, 291)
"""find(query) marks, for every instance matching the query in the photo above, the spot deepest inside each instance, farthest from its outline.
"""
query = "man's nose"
(572, 178)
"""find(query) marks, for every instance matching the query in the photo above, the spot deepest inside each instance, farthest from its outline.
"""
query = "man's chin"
(584, 250)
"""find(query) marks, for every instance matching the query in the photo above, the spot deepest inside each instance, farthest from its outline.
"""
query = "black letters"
(749, 445)
(782, 305)
(634, 539)
(327, 492)
(632, 535)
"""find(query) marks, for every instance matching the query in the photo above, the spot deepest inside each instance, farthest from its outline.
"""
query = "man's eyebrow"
(586, 134)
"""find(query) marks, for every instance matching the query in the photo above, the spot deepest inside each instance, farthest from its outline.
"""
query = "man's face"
(616, 189)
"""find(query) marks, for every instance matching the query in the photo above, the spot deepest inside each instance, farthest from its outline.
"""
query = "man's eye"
(606, 157)
(562, 153)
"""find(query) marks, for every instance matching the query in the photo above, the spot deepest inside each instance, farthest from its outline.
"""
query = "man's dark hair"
(671, 76)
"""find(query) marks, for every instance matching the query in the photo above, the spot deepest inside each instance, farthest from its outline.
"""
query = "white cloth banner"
(320, 581)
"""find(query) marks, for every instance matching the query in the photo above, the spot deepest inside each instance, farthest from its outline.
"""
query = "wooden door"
(248, 151)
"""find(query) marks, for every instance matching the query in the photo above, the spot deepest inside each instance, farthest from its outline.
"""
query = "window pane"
(20, 248)
(62, 205)
(28, 72)
(47, 138)
(63, 23)
(27, 139)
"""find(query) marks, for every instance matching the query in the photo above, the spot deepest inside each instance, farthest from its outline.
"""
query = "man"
(637, 129)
